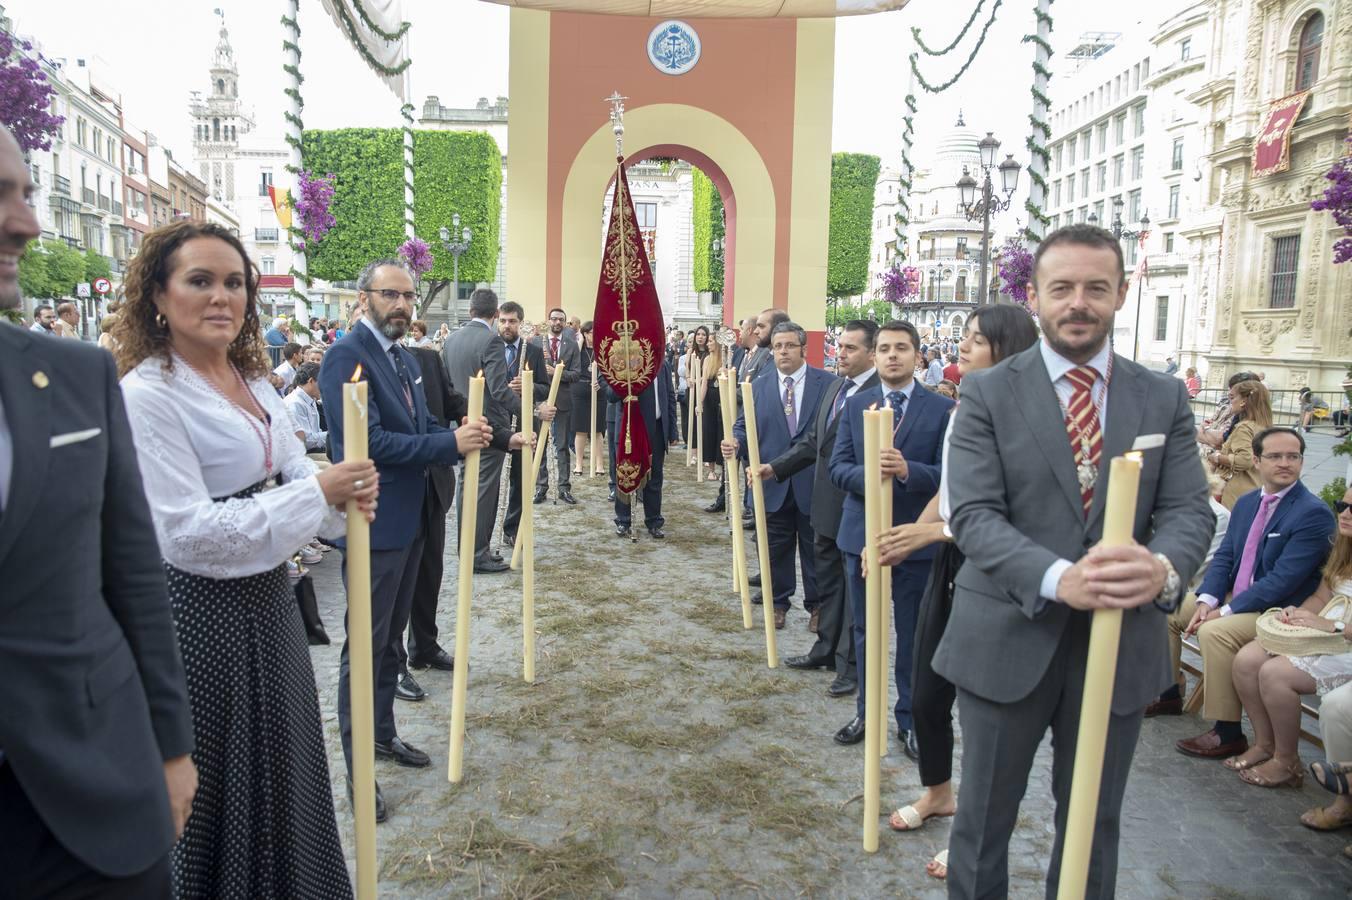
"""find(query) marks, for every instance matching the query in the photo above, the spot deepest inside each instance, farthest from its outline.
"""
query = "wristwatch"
(1339, 626)
(1172, 583)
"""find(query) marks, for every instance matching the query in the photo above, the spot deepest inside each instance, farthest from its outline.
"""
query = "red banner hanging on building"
(1272, 150)
(628, 323)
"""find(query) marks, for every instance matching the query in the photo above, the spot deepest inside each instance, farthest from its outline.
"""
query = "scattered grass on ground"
(764, 787)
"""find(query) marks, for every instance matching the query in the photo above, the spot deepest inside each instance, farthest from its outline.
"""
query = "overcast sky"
(156, 51)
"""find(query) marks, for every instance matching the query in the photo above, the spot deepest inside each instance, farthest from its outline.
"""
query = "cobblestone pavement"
(657, 756)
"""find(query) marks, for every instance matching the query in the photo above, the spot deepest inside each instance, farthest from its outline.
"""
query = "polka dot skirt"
(262, 823)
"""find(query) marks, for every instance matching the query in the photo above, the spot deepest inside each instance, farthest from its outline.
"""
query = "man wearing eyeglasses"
(560, 348)
(1274, 548)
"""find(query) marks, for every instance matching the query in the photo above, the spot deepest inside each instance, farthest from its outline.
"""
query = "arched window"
(215, 129)
(220, 85)
(1307, 56)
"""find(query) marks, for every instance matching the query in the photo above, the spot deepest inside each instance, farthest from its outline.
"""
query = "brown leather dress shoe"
(1172, 707)
(779, 617)
(1208, 746)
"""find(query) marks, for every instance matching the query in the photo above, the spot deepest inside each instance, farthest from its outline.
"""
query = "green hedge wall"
(707, 269)
(452, 172)
(853, 176)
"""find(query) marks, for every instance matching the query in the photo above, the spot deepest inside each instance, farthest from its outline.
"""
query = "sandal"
(940, 861)
(577, 471)
(910, 818)
(1331, 776)
(1295, 777)
(1239, 764)
(1319, 819)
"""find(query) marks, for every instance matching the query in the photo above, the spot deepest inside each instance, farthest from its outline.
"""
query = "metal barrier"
(1285, 407)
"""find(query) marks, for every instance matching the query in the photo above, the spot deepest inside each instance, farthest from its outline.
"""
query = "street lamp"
(1130, 235)
(455, 248)
(979, 199)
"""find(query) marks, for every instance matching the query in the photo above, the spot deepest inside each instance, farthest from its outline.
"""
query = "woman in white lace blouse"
(212, 435)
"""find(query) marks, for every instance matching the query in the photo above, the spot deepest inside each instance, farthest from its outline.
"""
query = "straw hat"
(1285, 639)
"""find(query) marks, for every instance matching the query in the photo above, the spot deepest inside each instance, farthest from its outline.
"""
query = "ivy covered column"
(1039, 157)
(300, 289)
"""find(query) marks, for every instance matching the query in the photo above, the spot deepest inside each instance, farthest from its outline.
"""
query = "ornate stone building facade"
(1262, 256)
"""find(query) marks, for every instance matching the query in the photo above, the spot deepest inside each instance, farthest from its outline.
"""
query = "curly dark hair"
(138, 332)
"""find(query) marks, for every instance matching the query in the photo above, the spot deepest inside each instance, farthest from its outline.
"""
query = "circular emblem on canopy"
(673, 47)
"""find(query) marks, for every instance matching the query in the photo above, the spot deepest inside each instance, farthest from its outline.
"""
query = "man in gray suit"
(473, 348)
(561, 349)
(1028, 461)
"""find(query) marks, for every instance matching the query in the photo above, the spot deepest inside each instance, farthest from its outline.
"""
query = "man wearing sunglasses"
(1274, 548)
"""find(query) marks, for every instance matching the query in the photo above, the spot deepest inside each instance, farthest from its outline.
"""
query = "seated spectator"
(1311, 408)
(948, 388)
(313, 354)
(417, 334)
(1335, 722)
(1192, 382)
(1270, 686)
(1251, 412)
(1211, 431)
(1277, 540)
(279, 334)
(292, 356)
(302, 405)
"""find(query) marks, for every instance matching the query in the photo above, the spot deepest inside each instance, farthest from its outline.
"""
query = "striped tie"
(1082, 426)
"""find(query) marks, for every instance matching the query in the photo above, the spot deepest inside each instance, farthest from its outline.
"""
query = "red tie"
(1082, 426)
(554, 349)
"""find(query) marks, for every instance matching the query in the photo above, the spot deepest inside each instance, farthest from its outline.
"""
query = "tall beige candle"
(535, 458)
(361, 680)
(886, 424)
(593, 435)
(1119, 519)
(727, 391)
(762, 538)
(469, 509)
(525, 534)
(873, 643)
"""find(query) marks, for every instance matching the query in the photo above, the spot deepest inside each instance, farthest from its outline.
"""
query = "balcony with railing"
(117, 207)
(61, 185)
(88, 196)
(105, 203)
(267, 235)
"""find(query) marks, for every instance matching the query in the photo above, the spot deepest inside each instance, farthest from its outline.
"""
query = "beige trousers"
(1335, 723)
(1220, 639)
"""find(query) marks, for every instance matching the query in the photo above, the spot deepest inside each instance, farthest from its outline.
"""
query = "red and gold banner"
(1272, 150)
(281, 205)
(628, 323)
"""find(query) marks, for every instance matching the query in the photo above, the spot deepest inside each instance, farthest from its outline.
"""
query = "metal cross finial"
(616, 102)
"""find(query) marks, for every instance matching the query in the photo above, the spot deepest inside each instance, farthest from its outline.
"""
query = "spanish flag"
(281, 205)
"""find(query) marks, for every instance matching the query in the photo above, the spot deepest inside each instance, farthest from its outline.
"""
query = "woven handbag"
(1285, 639)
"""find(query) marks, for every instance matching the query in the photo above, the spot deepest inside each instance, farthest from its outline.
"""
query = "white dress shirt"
(194, 445)
(798, 378)
(385, 344)
(304, 412)
(1057, 368)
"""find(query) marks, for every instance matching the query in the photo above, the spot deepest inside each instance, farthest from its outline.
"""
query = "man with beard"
(519, 354)
(560, 348)
(755, 362)
(403, 440)
(44, 320)
(1029, 457)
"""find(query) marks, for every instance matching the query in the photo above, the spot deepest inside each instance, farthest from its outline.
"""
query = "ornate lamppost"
(455, 248)
(980, 208)
(1129, 235)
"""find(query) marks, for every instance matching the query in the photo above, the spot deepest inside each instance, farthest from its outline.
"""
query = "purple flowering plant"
(1337, 200)
(900, 284)
(312, 208)
(25, 96)
(417, 255)
(1016, 270)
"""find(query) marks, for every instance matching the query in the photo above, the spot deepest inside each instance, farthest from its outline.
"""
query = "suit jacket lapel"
(1126, 406)
(903, 428)
(28, 413)
(382, 367)
(1033, 395)
(811, 388)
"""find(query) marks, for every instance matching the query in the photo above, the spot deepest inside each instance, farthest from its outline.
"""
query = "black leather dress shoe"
(408, 689)
(717, 506)
(437, 659)
(622, 530)
(403, 754)
(540, 494)
(842, 687)
(908, 745)
(754, 580)
(807, 662)
(852, 733)
(381, 812)
(756, 599)
(491, 565)
(567, 497)
(495, 555)
(656, 532)
(749, 522)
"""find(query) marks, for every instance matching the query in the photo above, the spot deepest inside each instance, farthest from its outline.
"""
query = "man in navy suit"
(403, 441)
(911, 465)
(785, 406)
(658, 403)
(1272, 554)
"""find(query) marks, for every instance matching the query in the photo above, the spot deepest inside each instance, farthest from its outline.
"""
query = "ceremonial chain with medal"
(1086, 473)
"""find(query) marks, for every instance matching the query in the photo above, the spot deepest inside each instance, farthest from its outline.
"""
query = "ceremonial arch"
(753, 112)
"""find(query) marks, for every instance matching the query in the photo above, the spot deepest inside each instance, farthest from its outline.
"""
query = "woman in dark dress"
(704, 350)
(211, 436)
(583, 390)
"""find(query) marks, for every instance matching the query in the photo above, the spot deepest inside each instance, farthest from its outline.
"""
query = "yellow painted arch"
(672, 123)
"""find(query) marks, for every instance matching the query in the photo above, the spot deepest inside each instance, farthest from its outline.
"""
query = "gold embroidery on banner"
(622, 268)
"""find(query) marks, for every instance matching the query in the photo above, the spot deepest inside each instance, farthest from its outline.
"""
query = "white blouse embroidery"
(193, 446)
